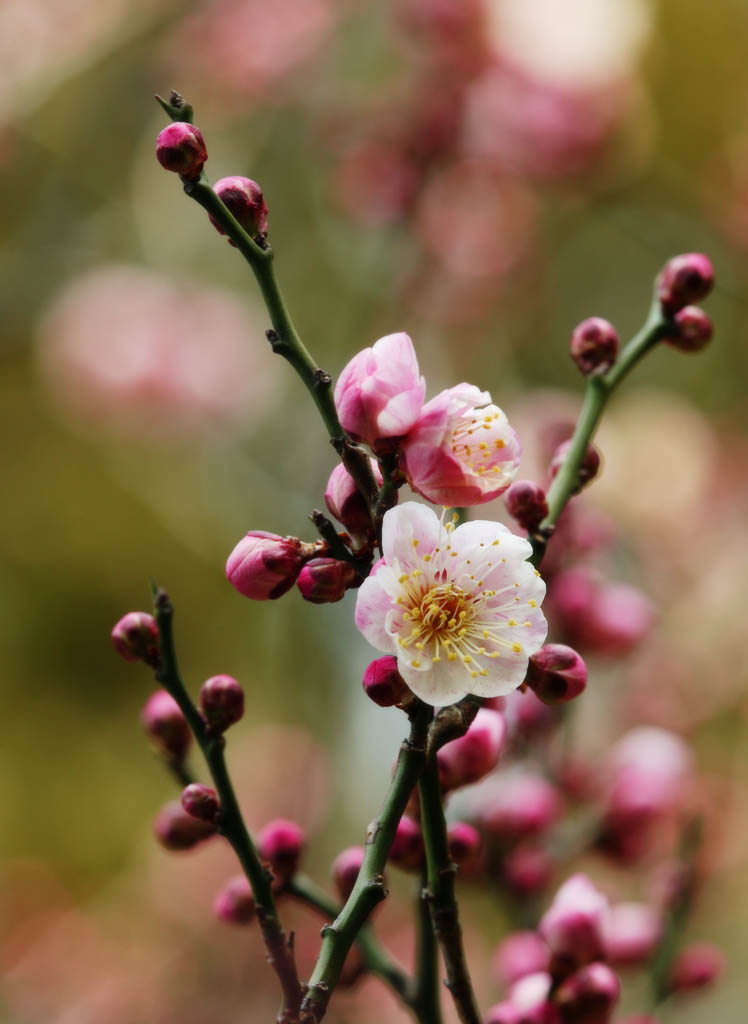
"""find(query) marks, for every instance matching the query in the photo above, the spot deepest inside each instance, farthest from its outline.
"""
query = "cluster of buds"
(683, 281)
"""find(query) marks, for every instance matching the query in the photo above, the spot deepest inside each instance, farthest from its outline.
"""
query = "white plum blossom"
(458, 605)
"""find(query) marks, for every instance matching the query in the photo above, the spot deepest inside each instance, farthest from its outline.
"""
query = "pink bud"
(200, 802)
(589, 995)
(325, 580)
(694, 330)
(469, 758)
(166, 726)
(383, 683)
(345, 869)
(264, 566)
(529, 995)
(519, 954)
(345, 501)
(696, 966)
(243, 198)
(380, 392)
(683, 280)
(525, 502)
(135, 638)
(587, 471)
(526, 716)
(465, 848)
(573, 926)
(528, 870)
(235, 903)
(594, 345)
(407, 850)
(175, 829)
(556, 674)
(520, 805)
(281, 844)
(180, 147)
(222, 702)
(503, 1013)
(603, 618)
(631, 933)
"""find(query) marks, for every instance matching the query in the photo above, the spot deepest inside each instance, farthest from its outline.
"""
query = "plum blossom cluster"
(486, 788)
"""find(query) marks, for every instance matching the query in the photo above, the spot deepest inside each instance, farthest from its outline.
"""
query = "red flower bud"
(175, 829)
(345, 869)
(345, 501)
(264, 566)
(325, 580)
(684, 280)
(235, 903)
(243, 198)
(696, 966)
(594, 345)
(222, 702)
(465, 847)
(470, 757)
(135, 638)
(528, 870)
(525, 502)
(180, 147)
(407, 851)
(166, 726)
(383, 683)
(556, 674)
(694, 330)
(589, 995)
(200, 802)
(281, 844)
(587, 471)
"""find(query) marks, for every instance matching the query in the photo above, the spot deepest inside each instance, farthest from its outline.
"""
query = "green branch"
(279, 949)
(369, 889)
(598, 390)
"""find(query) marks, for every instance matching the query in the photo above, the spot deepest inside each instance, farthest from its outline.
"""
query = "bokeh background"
(482, 174)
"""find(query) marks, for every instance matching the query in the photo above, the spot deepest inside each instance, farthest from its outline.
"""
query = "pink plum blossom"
(462, 450)
(468, 758)
(380, 392)
(459, 607)
(574, 924)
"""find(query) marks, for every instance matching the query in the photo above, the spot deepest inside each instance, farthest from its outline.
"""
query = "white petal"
(405, 525)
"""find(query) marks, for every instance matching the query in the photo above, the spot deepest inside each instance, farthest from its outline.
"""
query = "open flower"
(461, 450)
(459, 607)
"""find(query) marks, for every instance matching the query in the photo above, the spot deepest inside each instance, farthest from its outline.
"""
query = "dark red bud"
(556, 674)
(525, 502)
(694, 330)
(200, 802)
(135, 638)
(590, 463)
(383, 683)
(180, 147)
(325, 580)
(166, 726)
(684, 280)
(222, 702)
(594, 345)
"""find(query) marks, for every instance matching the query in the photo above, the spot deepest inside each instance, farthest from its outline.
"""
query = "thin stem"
(426, 986)
(597, 392)
(441, 894)
(369, 889)
(376, 959)
(279, 950)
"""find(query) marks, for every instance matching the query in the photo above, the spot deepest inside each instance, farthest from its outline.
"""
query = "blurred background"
(480, 173)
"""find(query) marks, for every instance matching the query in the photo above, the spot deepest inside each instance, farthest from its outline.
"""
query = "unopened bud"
(594, 345)
(243, 198)
(632, 932)
(465, 847)
(264, 566)
(180, 147)
(522, 804)
(589, 468)
(235, 903)
(589, 995)
(696, 966)
(383, 683)
(166, 726)
(200, 802)
(573, 924)
(407, 850)
(694, 330)
(528, 870)
(135, 638)
(556, 674)
(525, 502)
(347, 503)
(519, 954)
(684, 280)
(325, 580)
(345, 869)
(470, 757)
(281, 844)
(222, 702)
(175, 829)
